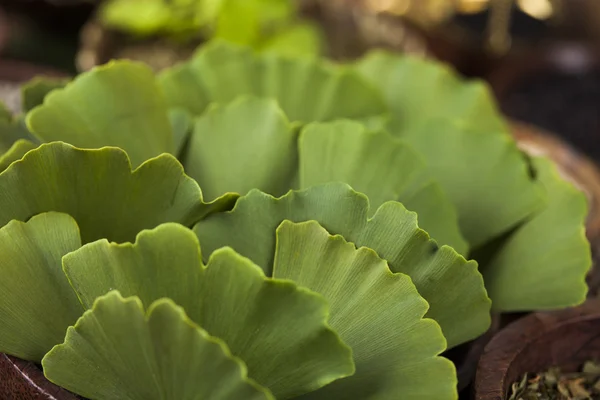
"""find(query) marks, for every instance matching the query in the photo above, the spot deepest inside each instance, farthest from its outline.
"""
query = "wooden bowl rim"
(30, 379)
(508, 344)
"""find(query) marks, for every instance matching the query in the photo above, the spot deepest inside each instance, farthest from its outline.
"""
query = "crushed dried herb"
(555, 385)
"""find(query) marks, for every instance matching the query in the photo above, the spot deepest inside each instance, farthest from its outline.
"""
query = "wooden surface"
(535, 343)
(21, 380)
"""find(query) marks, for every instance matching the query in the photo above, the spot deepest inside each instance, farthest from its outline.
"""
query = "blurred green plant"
(261, 24)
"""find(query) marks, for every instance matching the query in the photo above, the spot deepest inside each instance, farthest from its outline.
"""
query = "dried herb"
(555, 385)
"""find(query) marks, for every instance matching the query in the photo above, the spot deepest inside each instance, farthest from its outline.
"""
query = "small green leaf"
(15, 152)
(37, 305)
(377, 312)
(138, 17)
(307, 89)
(255, 138)
(11, 131)
(300, 39)
(34, 91)
(99, 189)
(435, 213)
(182, 124)
(543, 264)
(452, 286)
(373, 163)
(118, 104)
(278, 329)
(118, 352)
(485, 175)
(418, 90)
(380, 166)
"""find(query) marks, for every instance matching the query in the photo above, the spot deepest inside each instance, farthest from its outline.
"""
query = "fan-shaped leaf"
(435, 213)
(307, 89)
(418, 90)
(118, 104)
(373, 163)
(382, 167)
(485, 175)
(452, 286)
(182, 124)
(255, 138)
(99, 189)
(378, 313)
(301, 38)
(37, 305)
(118, 352)
(276, 328)
(34, 91)
(15, 152)
(543, 264)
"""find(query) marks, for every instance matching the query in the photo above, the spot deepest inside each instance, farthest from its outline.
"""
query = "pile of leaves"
(247, 225)
(556, 385)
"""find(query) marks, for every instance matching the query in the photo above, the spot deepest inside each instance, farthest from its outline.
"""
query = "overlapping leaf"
(15, 140)
(118, 104)
(454, 124)
(307, 89)
(470, 152)
(380, 166)
(37, 304)
(100, 190)
(377, 312)
(418, 90)
(276, 328)
(485, 175)
(35, 91)
(543, 264)
(452, 286)
(255, 138)
(117, 351)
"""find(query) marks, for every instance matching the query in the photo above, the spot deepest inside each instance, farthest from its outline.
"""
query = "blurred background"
(539, 56)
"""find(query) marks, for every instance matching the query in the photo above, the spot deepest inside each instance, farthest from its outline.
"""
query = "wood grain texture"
(22, 380)
(535, 343)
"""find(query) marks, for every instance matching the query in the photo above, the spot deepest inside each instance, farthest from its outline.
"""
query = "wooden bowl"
(535, 343)
(22, 380)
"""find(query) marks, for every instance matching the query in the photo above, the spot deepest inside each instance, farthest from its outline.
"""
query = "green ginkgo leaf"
(307, 89)
(299, 39)
(118, 104)
(117, 351)
(435, 213)
(485, 175)
(15, 139)
(543, 264)
(255, 138)
(278, 329)
(34, 91)
(455, 125)
(12, 129)
(452, 286)
(15, 152)
(377, 312)
(373, 163)
(419, 90)
(182, 124)
(100, 190)
(37, 305)
(380, 166)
